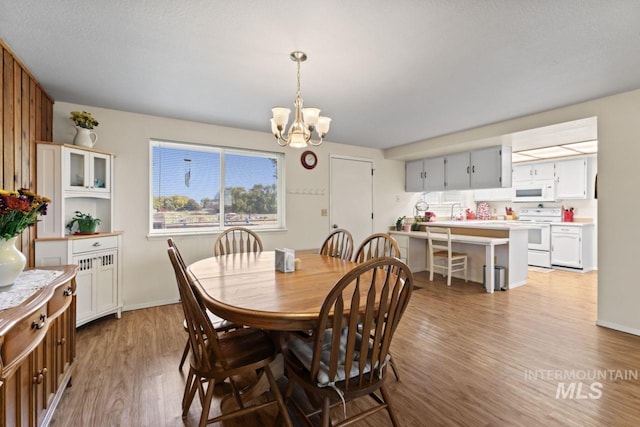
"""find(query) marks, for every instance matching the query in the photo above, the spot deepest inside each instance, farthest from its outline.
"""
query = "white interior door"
(352, 197)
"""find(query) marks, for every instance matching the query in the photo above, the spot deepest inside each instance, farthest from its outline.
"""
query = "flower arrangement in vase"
(18, 210)
(84, 122)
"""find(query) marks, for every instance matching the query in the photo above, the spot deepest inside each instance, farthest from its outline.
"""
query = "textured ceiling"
(387, 72)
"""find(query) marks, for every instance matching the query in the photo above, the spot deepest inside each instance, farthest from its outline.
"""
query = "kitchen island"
(499, 243)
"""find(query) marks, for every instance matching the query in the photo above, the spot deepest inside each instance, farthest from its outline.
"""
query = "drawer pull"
(40, 377)
(68, 292)
(96, 244)
(62, 341)
(36, 325)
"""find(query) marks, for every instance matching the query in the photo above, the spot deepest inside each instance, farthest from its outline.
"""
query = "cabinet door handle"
(68, 292)
(40, 377)
(96, 244)
(473, 168)
(467, 169)
(36, 325)
(62, 341)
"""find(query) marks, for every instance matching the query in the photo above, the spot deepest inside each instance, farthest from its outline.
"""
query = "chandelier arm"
(315, 144)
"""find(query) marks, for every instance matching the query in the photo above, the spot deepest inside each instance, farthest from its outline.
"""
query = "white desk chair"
(440, 249)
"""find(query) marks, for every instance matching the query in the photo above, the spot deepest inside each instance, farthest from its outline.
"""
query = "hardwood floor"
(465, 358)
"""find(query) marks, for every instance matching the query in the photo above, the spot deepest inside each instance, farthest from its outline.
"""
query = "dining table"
(246, 288)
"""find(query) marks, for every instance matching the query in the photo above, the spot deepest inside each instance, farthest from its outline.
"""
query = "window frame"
(222, 151)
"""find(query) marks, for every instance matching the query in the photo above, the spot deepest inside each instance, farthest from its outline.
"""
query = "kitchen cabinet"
(86, 172)
(457, 171)
(491, 167)
(484, 168)
(571, 179)
(493, 195)
(425, 175)
(99, 278)
(415, 256)
(38, 352)
(571, 246)
(534, 172)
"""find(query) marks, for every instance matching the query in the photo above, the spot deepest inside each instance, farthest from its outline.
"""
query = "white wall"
(618, 177)
(147, 276)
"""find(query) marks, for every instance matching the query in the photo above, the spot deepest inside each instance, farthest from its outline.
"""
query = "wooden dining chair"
(337, 363)
(219, 324)
(237, 240)
(439, 239)
(240, 352)
(376, 246)
(338, 244)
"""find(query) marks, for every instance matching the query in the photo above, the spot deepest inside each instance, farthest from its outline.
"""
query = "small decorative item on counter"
(509, 212)
(429, 216)
(470, 214)
(18, 210)
(416, 224)
(567, 214)
(399, 222)
(86, 224)
(482, 211)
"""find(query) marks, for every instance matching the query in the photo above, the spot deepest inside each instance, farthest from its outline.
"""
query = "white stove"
(539, 253)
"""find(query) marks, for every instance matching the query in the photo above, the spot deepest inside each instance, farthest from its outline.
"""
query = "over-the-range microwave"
(543, 191)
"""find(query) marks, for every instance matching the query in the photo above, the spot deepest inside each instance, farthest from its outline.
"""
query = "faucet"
(452, 205)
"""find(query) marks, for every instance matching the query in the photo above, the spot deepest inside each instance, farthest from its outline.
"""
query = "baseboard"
(149, 304)
(621, 328)
(516, 284)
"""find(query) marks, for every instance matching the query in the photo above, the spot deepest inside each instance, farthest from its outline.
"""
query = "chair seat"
(445, 254)
(218, 323)
(246, 346)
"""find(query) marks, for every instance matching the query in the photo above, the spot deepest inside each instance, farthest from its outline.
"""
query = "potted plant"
(86, 224)
(84, 122)
(399, 223)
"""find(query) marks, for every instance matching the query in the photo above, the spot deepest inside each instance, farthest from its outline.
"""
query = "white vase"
(85, 137)
(12, 261)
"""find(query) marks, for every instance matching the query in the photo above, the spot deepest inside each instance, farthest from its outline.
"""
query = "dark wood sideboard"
(38, 351)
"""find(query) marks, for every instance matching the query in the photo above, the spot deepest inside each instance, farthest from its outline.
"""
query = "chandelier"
(306, 119)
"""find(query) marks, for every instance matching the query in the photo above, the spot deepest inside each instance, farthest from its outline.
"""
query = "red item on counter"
(567, 214)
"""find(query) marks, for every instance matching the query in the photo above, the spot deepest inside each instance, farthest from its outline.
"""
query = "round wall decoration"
(309, 159)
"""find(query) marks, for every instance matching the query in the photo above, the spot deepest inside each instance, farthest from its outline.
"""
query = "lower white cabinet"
(98, 281)
(571, 246)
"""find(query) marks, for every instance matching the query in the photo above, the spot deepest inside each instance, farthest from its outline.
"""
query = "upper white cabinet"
(75, 179)
(86, 172)
(425, 174)
(571, 179)
(571, 176)
(534, 172)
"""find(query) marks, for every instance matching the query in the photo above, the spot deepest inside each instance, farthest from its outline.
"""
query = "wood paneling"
(26, 115)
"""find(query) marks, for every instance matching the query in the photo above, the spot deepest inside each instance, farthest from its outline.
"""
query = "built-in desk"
(504, 246)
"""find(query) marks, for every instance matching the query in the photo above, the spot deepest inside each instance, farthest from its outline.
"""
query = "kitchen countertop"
(488, 224)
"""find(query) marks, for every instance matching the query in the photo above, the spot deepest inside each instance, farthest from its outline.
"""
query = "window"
(197, 188)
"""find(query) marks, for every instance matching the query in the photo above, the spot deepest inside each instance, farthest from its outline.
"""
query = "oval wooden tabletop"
(248, 290)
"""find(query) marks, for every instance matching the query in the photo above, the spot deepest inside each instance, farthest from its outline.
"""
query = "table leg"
(489, 273)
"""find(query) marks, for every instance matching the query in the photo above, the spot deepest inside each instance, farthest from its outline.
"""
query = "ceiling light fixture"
(306, 119)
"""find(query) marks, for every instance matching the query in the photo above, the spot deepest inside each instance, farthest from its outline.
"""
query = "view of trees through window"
(188, 181)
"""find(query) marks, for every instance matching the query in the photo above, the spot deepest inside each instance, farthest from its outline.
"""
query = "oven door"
(540, 237)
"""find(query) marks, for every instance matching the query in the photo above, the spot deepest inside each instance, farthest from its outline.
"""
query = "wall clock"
(309, 159)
